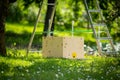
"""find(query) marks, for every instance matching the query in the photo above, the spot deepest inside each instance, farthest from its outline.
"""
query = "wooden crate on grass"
(63, 47)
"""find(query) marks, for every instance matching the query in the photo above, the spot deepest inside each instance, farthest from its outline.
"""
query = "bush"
(16, 13)
(32, 14)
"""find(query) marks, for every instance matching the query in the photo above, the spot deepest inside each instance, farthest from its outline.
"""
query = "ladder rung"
(110, 52)
(98, 24)
(51, 4)
(32, 51)
(48, 32)
(93, 10)
(41, 21)
(104, 38)
(102, 24)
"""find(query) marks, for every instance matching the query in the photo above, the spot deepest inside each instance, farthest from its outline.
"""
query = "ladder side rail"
(51, 20)
(90, 18)
(111, 42)
(102, 18)
(35, 25)
(91, 23)
(97, 3)
(101, 15)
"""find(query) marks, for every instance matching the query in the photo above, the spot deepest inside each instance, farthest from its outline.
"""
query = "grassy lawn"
(20, 33)
(16, 66)
(20, 28)
(35, 67)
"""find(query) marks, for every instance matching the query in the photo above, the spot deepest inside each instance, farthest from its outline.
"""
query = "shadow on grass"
(60, 69)
(22, 40)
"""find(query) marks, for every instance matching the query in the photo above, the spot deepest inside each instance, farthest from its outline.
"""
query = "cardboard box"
(63, 47)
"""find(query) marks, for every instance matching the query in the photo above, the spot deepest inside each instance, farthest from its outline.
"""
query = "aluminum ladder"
(99, 27)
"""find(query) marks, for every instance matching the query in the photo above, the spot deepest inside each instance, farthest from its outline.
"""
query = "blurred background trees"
(66, 12)
(25, 12)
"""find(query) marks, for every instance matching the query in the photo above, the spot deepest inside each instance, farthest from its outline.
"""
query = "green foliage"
(111, 12)
(21, 13)
(31, 14)
(16, 13)
(65, 14)
(27, 3)
(112, 9)
(70, 10)
(36, 67)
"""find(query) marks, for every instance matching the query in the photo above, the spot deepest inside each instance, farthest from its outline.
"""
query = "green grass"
(20, 28)
(16, 66)
(20, 34)
(35, 67)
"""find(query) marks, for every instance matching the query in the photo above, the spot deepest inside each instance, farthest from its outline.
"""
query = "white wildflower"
(27, 70)
(111, 78)
(56, 75)
(60, 73)
(22, 74)
(43, 71)
(58, 70)
(101, 77)
(39, 68)
(38, 72)
(52, 66)
(20, 67)
(2, 72)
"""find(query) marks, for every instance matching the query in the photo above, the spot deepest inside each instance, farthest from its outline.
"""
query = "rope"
(80, 31)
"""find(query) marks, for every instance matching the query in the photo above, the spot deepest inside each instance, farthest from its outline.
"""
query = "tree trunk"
(48, 16)
(3, 14)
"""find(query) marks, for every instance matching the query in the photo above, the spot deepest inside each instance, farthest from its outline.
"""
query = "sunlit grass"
(36, 67)
(20, 34)
(16, 66)
(21, 28)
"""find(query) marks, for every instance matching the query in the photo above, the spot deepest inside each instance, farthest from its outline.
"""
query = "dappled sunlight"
(68, 19)
(36, 67)
(22, 28)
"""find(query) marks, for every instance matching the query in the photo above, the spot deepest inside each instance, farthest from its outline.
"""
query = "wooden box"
(63, 47)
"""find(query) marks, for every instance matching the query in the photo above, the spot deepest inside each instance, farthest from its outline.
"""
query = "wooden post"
(33, 34)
